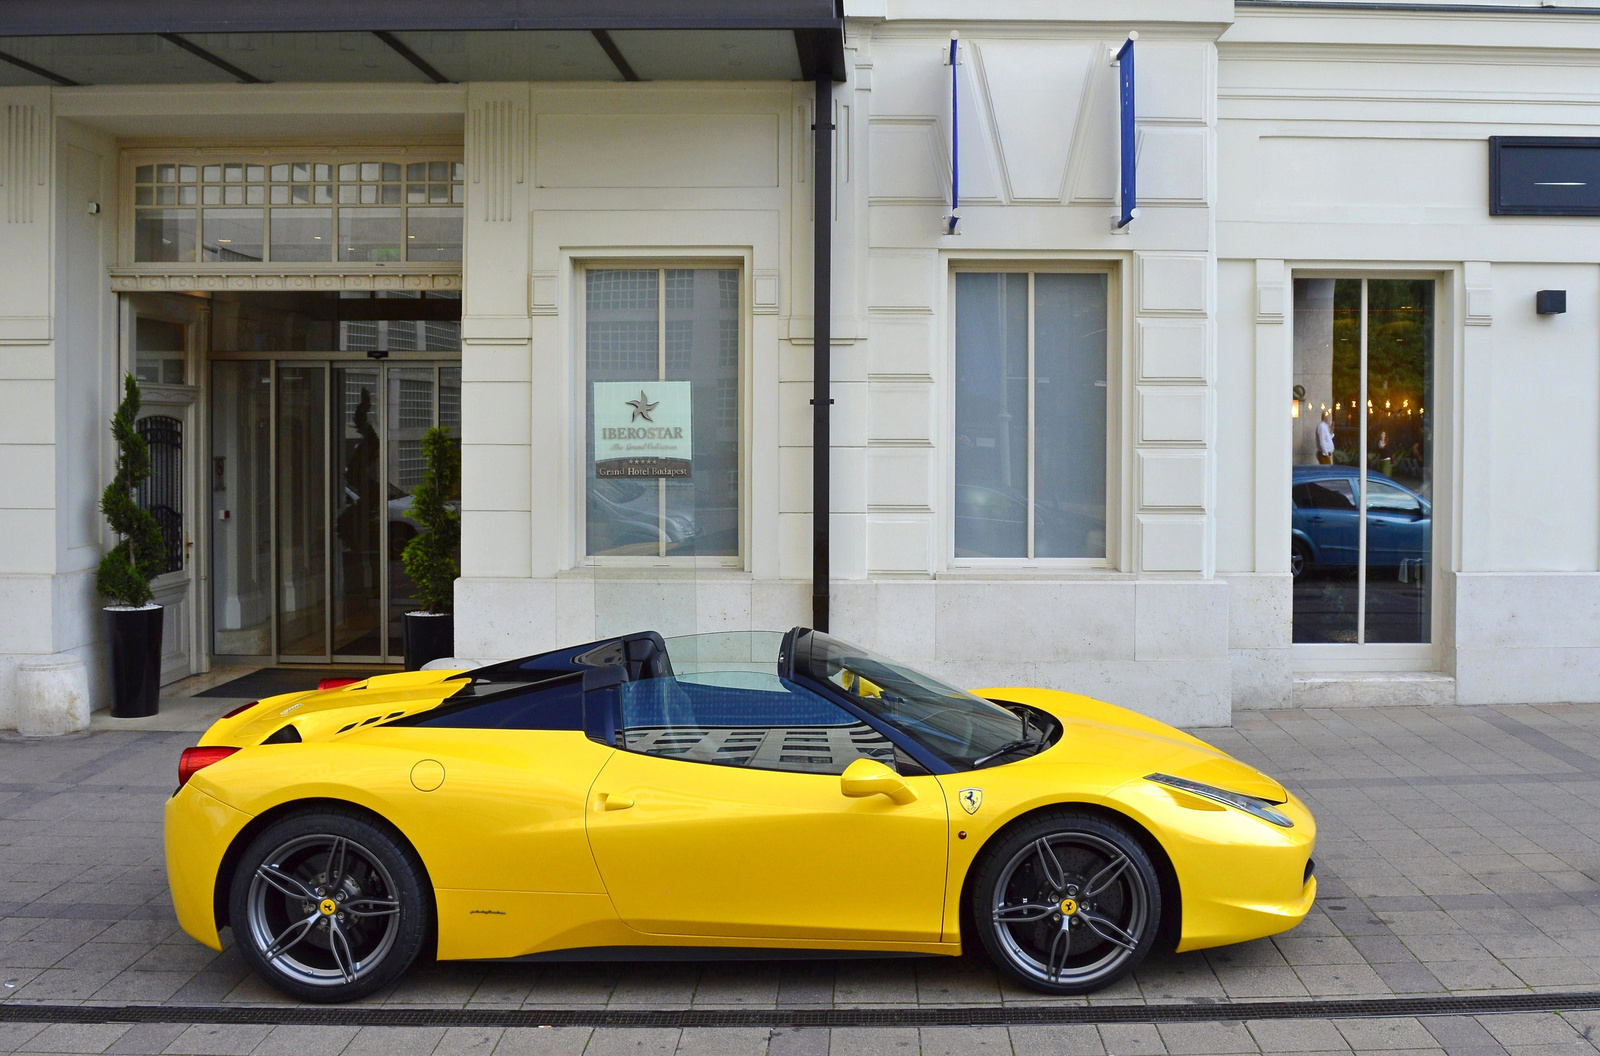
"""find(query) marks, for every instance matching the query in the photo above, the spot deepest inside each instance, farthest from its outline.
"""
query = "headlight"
(1260, 808)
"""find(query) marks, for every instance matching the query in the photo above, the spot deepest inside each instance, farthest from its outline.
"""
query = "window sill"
(1036, 570)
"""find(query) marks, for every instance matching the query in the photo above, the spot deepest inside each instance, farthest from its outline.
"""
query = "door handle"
(611, 802)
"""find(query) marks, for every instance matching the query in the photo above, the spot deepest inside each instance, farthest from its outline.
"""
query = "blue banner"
(1129, 136)
(955, 138)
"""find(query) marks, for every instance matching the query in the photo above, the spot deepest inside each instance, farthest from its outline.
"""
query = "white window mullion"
(661, 375)
(1361, 484)
(1030, 415)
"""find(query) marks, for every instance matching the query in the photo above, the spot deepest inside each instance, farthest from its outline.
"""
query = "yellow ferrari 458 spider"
(747, 794)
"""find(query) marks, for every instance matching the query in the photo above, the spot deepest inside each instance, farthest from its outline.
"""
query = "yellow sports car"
(746, 794)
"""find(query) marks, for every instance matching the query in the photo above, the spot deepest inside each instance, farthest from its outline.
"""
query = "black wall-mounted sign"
(1544, 176)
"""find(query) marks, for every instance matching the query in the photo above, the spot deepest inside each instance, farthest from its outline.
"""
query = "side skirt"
(608, 954)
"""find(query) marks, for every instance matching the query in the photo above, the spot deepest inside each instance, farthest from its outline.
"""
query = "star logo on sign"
(641, 407)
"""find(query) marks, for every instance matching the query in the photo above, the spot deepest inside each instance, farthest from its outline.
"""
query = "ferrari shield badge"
(971, 799)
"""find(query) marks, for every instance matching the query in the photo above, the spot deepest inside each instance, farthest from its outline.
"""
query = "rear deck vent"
(345, 729)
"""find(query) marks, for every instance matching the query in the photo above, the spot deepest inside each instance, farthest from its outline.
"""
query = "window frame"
(1116, 522)
(1448, 298)
(707, 259)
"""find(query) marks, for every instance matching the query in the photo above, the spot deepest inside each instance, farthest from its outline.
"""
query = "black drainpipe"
(822, 338)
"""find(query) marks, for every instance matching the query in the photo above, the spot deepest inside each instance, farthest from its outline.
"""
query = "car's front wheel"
(1067, 903)
(328, 905)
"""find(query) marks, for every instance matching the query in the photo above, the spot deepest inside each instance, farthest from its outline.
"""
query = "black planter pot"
(135, 661)
(429, 636)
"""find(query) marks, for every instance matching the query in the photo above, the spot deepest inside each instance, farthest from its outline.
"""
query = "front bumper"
(1240, 878)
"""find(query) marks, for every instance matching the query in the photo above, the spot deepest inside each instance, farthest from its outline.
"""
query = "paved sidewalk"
(1459, 854)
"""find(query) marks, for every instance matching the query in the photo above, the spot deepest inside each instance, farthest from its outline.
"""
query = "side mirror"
(868, 777)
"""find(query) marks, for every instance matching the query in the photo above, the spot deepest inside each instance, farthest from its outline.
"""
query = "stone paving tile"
(220, 1039)
(305, 1041)
(1081, 1040)
(738, 985)
(77, 1037)
(543, 1041)
(1132, 1039)
(631, 1041)
(395, 1041)
(962, 1041)
(724, 1041)
(870, 1041)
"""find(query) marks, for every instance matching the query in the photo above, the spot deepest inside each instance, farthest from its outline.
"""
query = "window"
(746, 718)
(298, 211)
(1362, 545)
(1030, 444)
(661, 360)
(159, 350)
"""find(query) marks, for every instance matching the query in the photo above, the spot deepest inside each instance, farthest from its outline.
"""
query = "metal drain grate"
(986, 1015)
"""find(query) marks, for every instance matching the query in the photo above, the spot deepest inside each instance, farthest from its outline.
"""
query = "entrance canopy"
(79, 42)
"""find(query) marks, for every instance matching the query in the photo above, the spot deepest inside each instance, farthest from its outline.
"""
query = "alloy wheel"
(323, 910)
(1071, 911)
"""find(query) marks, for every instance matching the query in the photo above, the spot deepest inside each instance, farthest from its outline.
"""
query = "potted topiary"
(430, 556)
(126, 571)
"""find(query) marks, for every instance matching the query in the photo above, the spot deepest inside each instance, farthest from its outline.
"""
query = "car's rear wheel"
(328, 906)
(1299, 558)
(1067, 903)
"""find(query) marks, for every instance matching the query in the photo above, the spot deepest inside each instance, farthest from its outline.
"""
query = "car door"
(1397, 526)
(723, 815)
(1333, 520)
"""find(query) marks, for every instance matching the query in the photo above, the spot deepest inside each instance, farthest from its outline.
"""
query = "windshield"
(962, 729)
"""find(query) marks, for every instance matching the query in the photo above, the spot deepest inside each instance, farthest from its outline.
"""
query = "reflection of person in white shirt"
(1325, 439)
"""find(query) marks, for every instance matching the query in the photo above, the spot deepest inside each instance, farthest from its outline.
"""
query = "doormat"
(270, 681)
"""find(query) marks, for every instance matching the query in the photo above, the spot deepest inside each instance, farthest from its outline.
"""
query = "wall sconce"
(1294, 405)
(1550, 302)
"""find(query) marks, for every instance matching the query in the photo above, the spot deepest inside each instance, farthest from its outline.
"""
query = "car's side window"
(746, 718)
(1332, 495)
(1381, 496)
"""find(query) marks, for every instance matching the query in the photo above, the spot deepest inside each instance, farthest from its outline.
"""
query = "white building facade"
(1297, 435)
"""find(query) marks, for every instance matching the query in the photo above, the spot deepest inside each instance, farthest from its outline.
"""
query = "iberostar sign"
(641, 429)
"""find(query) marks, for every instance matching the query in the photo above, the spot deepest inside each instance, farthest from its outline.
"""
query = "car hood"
(1103, 735)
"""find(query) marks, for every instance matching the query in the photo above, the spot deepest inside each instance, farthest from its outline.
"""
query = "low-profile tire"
(329, 905)
(1066, 902)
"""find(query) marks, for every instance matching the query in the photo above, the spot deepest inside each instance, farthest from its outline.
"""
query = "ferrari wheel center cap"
(1068, 907)
(328, 907)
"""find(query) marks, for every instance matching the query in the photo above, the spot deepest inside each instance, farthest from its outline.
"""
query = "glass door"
(300, 464)
(418, 398)
(357, 487)
(312, 469)
(1361, 549)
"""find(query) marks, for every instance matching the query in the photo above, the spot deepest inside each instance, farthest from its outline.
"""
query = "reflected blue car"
(1327, 521)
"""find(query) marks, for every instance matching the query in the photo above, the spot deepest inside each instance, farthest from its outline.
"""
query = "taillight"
(336, 683)
(241, 709)
(193, 760)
